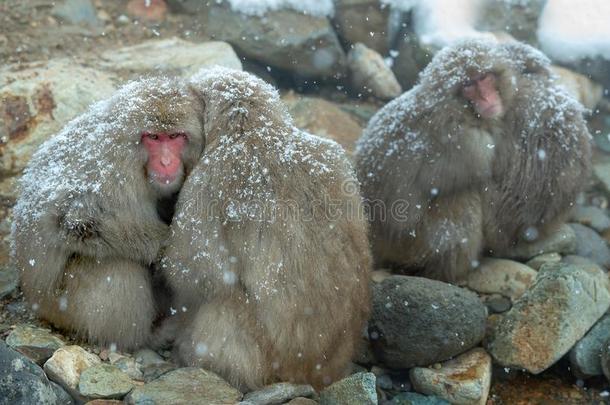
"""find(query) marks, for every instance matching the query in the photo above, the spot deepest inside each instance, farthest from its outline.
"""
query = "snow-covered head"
(482, 74)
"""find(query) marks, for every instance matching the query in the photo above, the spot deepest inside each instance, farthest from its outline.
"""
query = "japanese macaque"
(94, 209)
(268, 256)
(484, 153)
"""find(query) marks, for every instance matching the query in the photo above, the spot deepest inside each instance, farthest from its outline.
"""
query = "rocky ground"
(532, 328)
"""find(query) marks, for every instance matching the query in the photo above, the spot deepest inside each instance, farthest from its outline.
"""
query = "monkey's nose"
(166, 160)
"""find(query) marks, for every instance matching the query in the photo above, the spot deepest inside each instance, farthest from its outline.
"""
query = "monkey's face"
(482, 93)
(165, 160)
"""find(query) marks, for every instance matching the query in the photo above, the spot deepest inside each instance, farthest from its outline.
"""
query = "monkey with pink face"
(486, 152)
(95, 205)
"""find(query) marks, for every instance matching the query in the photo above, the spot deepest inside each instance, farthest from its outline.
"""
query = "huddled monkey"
(95, 205)
(268, 255)
(485, 152)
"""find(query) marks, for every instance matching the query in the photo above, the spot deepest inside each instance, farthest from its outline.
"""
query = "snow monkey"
(268, 256)
(484, 153)
(94, 209)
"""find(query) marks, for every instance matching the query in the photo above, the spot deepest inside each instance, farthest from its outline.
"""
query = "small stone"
(585, 356)
(601, 172)
(9, 279)
(563, 241)
(104, 402)
(605, 359)
(417, 321)
(153, 371)
(188, 385)
(537, 262)
(413, 398)
(590, 216)
(31, 336)
(22, 382)
(384, 382)
(67, 364)
(501, 276)
(358, 388)
(371, 75)
(130, 367)
(562, 305)
(463, 380)
(379, 275)
(77, 12)
(590, 245)
(104, 381)
(123, 20)
(302, 401)
(278, 394)
(497, 304)
(147, 357)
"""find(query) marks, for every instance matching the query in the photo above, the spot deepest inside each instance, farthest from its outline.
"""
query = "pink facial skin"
(164, 164)
(483, 94)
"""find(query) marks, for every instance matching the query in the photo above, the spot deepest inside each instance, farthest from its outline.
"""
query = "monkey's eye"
(150, 135)
(176, 135)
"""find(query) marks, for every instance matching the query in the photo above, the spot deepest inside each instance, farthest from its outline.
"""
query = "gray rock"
(22, 382)
(9, 280)
(303, 44)
(590, 245)
(556, 312)
(371, 75)
(561, 241)
(185, 386)
(601, 172)
(40, 100)
(463, 380)
(66, 366)
(417, 322)
(537, 261)
(146, 357)
(77, 12)
(413, 398)
(605, 359)
(363, 21)
(31, 336)
(104, 381)
(410, 58)
(501, 276)
(592, 217)
(497, 304)
(277, 394)
(585, 356)
(357, 389)
(302, 401)
(130, 367)
(173, 56)
(153, 371)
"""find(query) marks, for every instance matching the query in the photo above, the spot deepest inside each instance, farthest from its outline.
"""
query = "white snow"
(570, 30)
(317, 8)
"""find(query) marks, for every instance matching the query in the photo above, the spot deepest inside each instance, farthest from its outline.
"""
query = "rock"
(537, 261)
(417, 321)
(66, 366)
(9, 280)
(583, 89)
(285, 39)
(364, 21)
(413, 398)
(302, 401)
(518, 18)
(104, 402)
(172, 56)
(590, 216)
(31, 336)
(37, 354)
(371, 75)
(104, 381)
(361, 110)
(601, 172)
(146, 357)
(151, 372)
(585, 356)
(325, 119)
(358, 389)
(497, 304)
(278, 394)
(77, 12)
(605, 359)
(147, 10)
(36, 102)
(561, 241)
(501, 276)
(24, 383)
(410, 58)
(185, 386)
(130, 367)
(556, 312)
(463, 380)
(591, 246)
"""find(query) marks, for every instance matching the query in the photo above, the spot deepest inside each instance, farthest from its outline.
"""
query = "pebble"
(591, 245)
(591, 216)
(187, 385)
(501, 276)
(497, 304)
(358, 389)
(417, 321)
(277, 394)
(104, 381)
(537, 262)
(585, 356)
(413, 398)
(562, 305)
(67, 364)
(463, 380)
(561, 241)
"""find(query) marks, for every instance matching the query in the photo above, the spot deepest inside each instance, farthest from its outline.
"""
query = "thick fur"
(442, 183)
(87, 226)
(268, 256)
